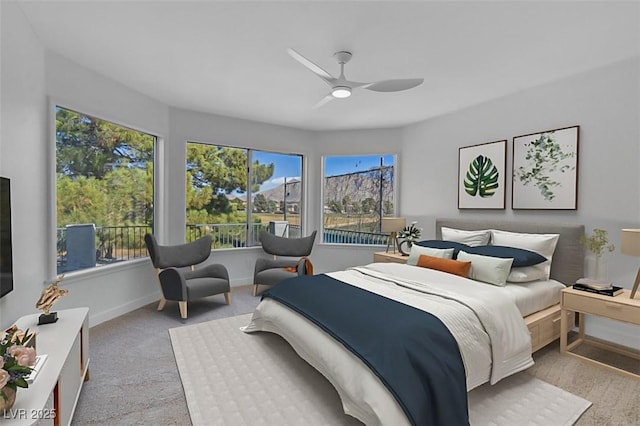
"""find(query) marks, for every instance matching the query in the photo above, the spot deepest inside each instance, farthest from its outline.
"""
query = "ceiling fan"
(342, 88)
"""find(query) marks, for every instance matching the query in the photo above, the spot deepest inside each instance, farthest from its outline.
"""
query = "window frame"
(249, 231)
(395, 186)
(158, 149)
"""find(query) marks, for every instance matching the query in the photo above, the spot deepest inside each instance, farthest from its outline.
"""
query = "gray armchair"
(183, 285)
(272, 271)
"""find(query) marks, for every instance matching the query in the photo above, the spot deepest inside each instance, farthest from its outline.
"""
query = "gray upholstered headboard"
(568, 259)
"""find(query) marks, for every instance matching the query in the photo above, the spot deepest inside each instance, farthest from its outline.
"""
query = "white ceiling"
(229, 57)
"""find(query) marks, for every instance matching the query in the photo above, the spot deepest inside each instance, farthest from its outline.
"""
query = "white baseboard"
(239, 282)
(100, 317)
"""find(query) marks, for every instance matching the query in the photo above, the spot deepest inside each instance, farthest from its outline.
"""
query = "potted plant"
(409, 235)
(16, 359)
(597, 243)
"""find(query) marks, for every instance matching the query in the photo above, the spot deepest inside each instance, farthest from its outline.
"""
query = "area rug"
(232, 378)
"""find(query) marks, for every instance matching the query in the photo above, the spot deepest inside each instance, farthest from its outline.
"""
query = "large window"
(104, 191)
(219, 201)
(358, 191)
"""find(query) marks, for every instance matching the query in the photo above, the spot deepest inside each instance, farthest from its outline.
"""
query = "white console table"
(51, 398)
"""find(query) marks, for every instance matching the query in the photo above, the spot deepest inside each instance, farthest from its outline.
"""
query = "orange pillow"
(451, 266)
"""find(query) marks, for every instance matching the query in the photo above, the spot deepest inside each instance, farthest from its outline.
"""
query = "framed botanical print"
(545, 170)
(482, 176)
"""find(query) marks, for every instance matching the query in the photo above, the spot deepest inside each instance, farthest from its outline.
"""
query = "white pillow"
(545, 244)
(525, 274)
(470, 238)
(492, 270)
(416, 251)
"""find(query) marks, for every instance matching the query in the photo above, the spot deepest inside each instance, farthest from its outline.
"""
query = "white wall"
(606, 105)
(24, 158)
(34, 80)
(117, 289)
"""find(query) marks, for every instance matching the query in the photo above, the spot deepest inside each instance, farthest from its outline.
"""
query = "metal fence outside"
(121, 243)
(112, 244)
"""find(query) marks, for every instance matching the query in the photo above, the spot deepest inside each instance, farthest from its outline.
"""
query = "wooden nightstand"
(389, 257)
(620, 308)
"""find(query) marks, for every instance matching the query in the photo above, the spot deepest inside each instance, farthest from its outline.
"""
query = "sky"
(290, 166)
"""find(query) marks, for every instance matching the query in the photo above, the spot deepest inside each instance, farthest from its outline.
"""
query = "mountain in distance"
(277, 193)
(356, 186)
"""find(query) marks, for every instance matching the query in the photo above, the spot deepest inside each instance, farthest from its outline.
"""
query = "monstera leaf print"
(481, 180)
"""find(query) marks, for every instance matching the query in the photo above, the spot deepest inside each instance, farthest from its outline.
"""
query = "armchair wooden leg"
(227, 297)
(255, 290)
(163, 302)
(183, 308)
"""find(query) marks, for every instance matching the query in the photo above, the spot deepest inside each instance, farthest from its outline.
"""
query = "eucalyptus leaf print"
(481, 179)
(544, 157)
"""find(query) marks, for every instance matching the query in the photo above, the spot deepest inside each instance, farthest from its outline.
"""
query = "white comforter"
(491, 334)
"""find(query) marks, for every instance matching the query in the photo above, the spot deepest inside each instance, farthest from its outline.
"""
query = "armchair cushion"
(273, 276)
(264, 264)
(214, 270)
(203, 287)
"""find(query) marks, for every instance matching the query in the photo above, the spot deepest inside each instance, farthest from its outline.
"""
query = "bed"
(490, 346)
(566, 268)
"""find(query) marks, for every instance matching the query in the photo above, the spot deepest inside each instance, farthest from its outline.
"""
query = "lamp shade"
(393, 224)
(630, 242)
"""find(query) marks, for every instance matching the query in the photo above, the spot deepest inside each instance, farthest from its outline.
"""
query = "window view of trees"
(104, 191)
(220, 201)
(358, 191)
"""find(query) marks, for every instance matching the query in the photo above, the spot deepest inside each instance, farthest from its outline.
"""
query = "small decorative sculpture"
(49, 296)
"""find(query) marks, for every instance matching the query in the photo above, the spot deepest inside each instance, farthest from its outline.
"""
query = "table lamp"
(393, 225)
(630, 245)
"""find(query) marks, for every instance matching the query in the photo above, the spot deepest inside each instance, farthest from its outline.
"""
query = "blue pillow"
(443, 244)
(521, 257)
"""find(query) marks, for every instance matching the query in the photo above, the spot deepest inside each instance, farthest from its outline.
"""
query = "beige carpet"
(232, 378)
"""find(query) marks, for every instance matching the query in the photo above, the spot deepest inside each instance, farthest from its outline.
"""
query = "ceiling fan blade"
(310, 65)
(323, 101)
(394, 85)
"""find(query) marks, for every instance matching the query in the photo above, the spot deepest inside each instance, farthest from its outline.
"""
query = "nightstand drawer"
(605, 308)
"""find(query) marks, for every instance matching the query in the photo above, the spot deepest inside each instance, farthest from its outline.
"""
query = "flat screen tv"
(6, 257)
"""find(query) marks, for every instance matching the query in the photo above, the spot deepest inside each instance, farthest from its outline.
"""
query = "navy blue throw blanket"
(411, 351)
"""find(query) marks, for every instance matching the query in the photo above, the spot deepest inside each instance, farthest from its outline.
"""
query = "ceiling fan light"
(341, 92)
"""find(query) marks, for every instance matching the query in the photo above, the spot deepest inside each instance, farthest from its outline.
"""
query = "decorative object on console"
(630, 245)
(393, 225)
(49, 296)
(482, 176)
(17, 359)
(409, 234)
(545, 170)
(596, 244)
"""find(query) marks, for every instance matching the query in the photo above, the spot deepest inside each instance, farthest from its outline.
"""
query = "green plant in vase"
(409, 235)
(598, 243)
